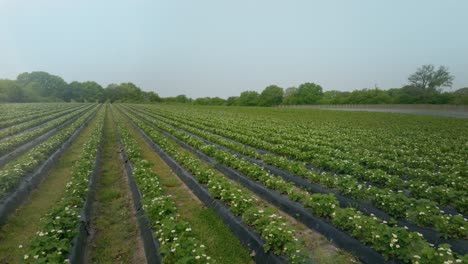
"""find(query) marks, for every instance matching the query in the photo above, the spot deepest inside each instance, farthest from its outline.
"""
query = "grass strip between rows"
(114, 234)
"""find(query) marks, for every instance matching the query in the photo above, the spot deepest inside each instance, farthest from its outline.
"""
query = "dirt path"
(115, 237)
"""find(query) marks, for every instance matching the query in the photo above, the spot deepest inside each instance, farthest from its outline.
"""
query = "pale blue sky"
(220, 48)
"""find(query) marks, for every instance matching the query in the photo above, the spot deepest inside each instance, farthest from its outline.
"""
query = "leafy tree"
(124, 92)
(460, 96)
(461, 91)
(290, 91)
(430, 79)
(48, 85)
(209, 101)
(86, 92)
(152, 97)
(288, 96)
(270, 96)
(335, 97)
(181, 99)
(248, 98)
(93, 92)
(233, 100)
(31, 93)
(307, 93)
(10, 91)
(369, 96)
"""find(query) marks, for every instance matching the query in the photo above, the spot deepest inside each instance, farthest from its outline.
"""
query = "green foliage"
(60, 225)
(333, 148)
(180, 99)
(270, 96)
(209, 101)
(44, 87)
(248, 98)
(460, 96)
(48, 85)
(152, 97)
(334, 97)
(86, 92)
(233, 100)
(306, 93)
(430, 79)
(424, 88)
(124, 92)
(369, 96)
(10, 91)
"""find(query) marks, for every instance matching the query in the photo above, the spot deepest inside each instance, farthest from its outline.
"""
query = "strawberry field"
(283, 185)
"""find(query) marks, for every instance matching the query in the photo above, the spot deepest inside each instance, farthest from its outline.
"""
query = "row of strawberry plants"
(370, 229)
(60, 226)
(11, 175)
(281, 137)
(9, 144)
(21, 113)
(416, 188)
(32, 123)
(394, 141)
(15, 110)
(308, 147)
(177, 242)
(421, 213)
(279, 237)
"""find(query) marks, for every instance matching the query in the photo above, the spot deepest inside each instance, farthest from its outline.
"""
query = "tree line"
(424, 87)
(45, 87)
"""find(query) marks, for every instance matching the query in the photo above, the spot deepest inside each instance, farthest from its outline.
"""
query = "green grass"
(24, 223)
(220, 242)
(116, 236)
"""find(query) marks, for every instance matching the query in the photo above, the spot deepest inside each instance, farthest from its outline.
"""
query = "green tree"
(152, 97)
(48, 85)
(182, 98)
(460, 96)
(334, 97)
(31, 93)
(232, 101)
(86, 92)
(209, 101)
(429, 79)
(270, 96)
(369, 96)
(289, 95)
(307, 93)
(10, 91)
(248, 98)
(124, 92)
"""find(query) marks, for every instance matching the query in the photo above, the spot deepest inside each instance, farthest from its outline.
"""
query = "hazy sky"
(220, 48)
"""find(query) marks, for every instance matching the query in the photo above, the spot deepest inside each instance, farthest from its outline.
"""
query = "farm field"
(133, 183)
